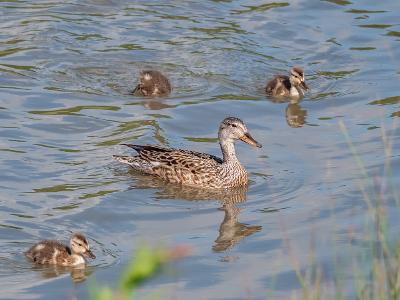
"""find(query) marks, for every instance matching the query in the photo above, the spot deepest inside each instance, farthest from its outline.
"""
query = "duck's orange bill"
(247, 138)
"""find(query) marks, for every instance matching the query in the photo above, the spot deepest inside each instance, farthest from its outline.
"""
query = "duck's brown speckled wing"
(43, 252)
(174, 165)
(173, 156)
(279, 85)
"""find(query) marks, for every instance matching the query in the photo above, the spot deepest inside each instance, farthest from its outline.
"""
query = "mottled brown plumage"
(287, 86)
(56, 253)
(152, 84)
(195, 168)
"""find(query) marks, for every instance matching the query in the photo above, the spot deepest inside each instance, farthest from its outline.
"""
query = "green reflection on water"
(362, 48)
(260, 8)
(324, 95)
(10, 226)
(395, 114)
(364, 11)
(339, 2)
(98, 194)
(73, 110)
(376, 26)
(201, 140)
(11, 150)
(386, 101)
(59, 188)
(393, 33)
(133, 126)
(13, 51)
(337, 74)
(18, 67)
(232, 96)
(66, 207)
(23, 216)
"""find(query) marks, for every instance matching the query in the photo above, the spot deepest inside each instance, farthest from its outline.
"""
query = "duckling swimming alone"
(288, 86)
(56, 253)
(152, 84)
(195, 168)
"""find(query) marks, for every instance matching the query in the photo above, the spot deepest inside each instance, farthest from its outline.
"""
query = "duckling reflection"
(231, 231)
(295, 115)
(156, 104)
(77, 273)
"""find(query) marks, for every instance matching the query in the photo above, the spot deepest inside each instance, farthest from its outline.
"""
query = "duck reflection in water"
(77, 273)
(231, 231)
(295, 115)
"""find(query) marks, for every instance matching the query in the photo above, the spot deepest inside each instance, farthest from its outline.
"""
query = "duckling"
(288, 86)
(194, 168)
(152, 84)
(56, 253)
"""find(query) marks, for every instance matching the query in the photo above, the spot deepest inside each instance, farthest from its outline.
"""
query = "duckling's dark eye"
(233, 125)
(79, 244)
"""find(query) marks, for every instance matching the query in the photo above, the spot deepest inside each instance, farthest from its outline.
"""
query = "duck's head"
(80, 245)
(152, 84)
(232, 129)
(297, 78)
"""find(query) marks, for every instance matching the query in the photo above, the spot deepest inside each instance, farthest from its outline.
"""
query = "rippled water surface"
(67, 69)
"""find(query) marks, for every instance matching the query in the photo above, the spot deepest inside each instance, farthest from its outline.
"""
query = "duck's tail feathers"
(138, 148)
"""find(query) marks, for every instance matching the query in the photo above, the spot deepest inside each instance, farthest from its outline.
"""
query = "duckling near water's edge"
(55, 253)
(152, 84)
(293, 85)
(194, 168)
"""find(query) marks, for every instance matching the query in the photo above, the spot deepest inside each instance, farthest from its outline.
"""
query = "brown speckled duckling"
(288, 86)
(195, 168)
(56, 253)
(152, 84)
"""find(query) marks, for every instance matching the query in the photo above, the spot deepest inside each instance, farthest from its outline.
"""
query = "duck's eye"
(233, 125)
(79, 244)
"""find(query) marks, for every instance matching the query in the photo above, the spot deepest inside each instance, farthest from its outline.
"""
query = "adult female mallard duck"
(152, 84)
(56, 253)
(293, 85)
(195, 168)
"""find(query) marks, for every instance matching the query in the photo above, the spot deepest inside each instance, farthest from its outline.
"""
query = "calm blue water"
(67, 68)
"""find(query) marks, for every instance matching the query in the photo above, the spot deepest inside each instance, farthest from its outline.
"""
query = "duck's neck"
(228, 151)
(77, 259)
(295, 91)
